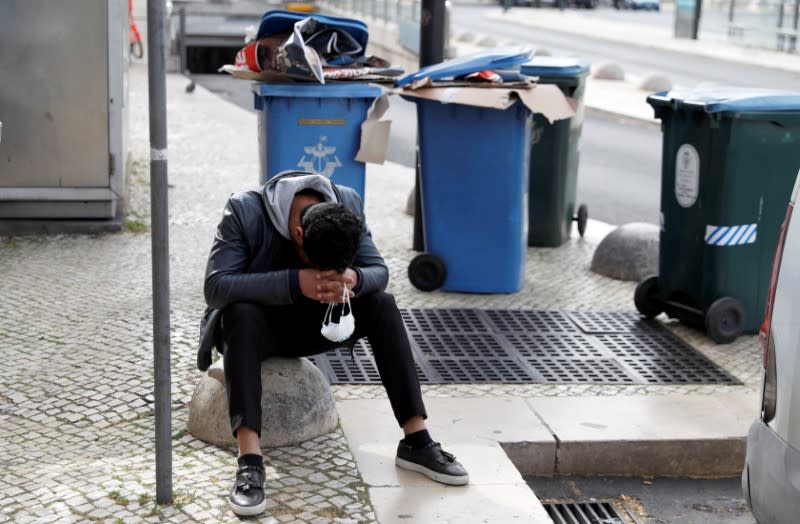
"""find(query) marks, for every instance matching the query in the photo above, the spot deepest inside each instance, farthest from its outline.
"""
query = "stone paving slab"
(76, 428)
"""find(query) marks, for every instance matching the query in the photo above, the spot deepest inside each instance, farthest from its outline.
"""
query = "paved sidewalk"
(76, 419)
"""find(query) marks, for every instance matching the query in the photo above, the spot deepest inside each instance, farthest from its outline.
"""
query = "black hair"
(331, 235)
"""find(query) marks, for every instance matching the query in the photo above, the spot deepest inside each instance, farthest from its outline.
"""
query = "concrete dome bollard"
(297, 404)
(630, 252)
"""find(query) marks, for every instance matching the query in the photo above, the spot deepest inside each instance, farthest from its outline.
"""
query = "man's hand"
(326, 286)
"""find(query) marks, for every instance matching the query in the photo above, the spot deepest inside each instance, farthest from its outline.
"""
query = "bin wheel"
(427, 272)
(581, 218)
(646, 298)
(725, 320)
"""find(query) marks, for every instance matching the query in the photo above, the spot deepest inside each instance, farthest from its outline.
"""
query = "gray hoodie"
(279, 193)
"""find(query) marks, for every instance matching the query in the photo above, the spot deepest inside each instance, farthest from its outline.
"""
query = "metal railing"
(770, 24)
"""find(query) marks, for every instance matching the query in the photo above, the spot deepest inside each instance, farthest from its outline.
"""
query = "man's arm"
(227, 280)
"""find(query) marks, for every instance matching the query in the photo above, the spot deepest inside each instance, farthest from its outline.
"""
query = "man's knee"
(379, 301)
(241, 312)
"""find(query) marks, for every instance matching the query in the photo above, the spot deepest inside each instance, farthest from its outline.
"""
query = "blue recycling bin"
(314, 128)
(474, 186)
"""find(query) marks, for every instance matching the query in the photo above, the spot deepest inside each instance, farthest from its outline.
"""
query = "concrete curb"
(700, 458)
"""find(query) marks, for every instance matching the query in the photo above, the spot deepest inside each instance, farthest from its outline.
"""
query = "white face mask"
(341, 331)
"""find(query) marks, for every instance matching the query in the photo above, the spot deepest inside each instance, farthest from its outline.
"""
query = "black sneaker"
(433, 462)
(247, 496)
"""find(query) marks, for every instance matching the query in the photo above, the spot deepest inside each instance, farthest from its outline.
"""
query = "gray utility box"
(63, 105)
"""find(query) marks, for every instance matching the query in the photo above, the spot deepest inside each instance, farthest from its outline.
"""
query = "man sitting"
(286, 258)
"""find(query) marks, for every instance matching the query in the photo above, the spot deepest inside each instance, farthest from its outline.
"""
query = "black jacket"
(251, 262)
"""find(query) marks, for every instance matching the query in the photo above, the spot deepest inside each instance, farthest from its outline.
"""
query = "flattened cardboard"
(375, 133)
(547, 100)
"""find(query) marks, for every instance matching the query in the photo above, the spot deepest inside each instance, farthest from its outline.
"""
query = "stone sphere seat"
(297, 404)
(630, 252)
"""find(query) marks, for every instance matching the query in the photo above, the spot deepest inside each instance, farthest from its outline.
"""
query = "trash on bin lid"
(554, 66)
(497, 59)
(729, 99)
(278, 21)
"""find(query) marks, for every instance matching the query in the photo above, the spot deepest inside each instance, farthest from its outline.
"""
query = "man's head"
(326, 234)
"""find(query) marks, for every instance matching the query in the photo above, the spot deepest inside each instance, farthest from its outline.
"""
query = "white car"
(771, 476)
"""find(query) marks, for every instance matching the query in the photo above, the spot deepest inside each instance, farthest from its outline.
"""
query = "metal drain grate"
(460, 345)
(444, 320)
(527, 320)
(697, 370)
(342, 368)
(647, 345)
(588, 371)
(583, 513)
(457, 346)
(559, 345)
(476, 370)
(594, 322)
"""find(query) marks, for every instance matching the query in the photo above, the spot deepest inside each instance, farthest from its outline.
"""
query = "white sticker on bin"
(731, 235)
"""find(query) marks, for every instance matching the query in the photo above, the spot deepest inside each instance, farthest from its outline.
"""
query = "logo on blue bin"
(320, 159)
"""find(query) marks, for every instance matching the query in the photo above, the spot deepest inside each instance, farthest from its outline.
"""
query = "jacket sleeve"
(227, 279)
(372, 270)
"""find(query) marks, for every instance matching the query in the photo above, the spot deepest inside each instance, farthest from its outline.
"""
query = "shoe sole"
(248, 511)
(433, 475)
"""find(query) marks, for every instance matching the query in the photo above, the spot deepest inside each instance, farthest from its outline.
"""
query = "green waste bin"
(730, 157)
(553, 177)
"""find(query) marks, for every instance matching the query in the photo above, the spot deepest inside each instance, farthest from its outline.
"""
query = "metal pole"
(795, 21)
(182, 30)
(431, 51)
(698, 9)
(156, 70)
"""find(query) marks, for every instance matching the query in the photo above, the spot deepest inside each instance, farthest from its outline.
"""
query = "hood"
(279, 192)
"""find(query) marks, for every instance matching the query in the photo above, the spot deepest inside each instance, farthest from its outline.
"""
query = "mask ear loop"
(346, 301)
(328, 312)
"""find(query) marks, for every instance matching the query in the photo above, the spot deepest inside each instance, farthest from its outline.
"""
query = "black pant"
(252, 332)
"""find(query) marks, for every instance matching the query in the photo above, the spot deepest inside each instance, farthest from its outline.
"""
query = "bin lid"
(279, 21)
(729, 99)
(498, 59)
(314, 90)
(555, 66)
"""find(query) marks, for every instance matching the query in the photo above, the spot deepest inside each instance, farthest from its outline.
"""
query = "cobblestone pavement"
(76, 418)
